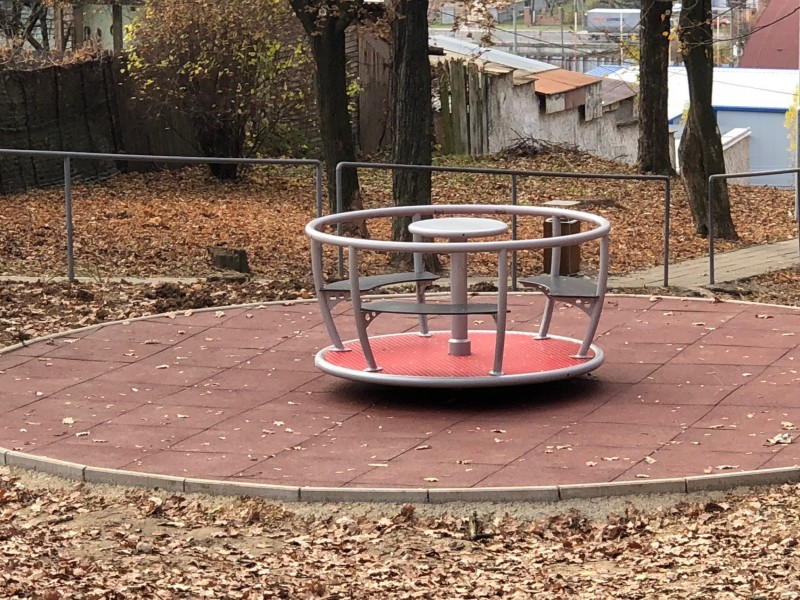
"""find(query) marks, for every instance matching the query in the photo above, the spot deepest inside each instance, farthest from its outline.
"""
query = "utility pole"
(575, 38)
(514, 21)
(561, 18)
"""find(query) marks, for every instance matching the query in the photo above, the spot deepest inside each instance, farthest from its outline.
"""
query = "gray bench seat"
(375, 281)
(561, 287)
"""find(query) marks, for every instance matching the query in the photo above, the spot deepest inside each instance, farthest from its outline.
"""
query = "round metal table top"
(458, 227)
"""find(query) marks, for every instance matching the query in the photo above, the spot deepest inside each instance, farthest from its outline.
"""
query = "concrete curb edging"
(188, 485)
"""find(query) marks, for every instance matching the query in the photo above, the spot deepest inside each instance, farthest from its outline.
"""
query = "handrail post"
(711, 230)
(68, 212)
(339, 203)
(318, 175)
(667, 209)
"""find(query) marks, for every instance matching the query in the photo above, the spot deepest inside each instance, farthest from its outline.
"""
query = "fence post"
(711, 188)
(68, 210)
(514, 202)
(797, 193)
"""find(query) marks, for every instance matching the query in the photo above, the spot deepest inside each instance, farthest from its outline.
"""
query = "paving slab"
(728, 266)
(690, 388)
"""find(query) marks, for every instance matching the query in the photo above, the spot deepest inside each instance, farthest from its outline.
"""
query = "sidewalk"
(728, 266)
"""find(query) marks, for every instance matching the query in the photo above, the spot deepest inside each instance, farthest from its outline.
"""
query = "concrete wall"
(768, 142)
(514, 113)
(736, 148)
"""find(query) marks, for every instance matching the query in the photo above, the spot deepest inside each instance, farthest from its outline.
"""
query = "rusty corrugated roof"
(616, 90)
(560, 81)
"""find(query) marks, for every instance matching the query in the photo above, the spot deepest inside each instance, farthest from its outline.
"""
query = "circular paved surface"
(689, 387)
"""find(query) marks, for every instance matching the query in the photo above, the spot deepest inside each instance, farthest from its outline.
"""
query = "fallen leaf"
(781, 438)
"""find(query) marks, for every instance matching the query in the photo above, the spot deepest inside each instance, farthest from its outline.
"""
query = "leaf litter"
(64, 540)
(59, 540)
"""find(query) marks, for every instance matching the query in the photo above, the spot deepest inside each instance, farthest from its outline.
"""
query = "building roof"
(735, 88)
(604, 70)
(560, 81)
(774, 41)
(547, 79)
(489, 55)
(615, 90)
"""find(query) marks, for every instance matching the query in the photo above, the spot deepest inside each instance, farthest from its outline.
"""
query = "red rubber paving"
(688, 387)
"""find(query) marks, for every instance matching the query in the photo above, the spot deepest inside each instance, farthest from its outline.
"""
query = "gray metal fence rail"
(66, 157)
(515, 175)
(711, 194)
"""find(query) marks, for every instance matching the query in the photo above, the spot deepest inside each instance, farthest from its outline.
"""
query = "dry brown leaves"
(82, 542)
(29, 310)
(162, 224)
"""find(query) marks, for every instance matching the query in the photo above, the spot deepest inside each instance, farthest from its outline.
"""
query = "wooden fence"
(91, 107)
(463, 90)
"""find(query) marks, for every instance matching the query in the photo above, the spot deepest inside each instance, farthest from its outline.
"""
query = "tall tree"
(654, 152)
(325, 22)
(412, 115)
(700, 148)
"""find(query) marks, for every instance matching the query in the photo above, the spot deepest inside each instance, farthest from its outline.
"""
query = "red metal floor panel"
(414, 355)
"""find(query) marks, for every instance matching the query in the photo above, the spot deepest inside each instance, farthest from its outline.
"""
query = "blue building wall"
(769, 142)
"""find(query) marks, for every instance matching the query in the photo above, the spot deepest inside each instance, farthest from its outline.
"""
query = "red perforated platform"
(413, 359)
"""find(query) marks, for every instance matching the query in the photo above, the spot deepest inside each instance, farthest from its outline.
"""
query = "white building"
(753, 99)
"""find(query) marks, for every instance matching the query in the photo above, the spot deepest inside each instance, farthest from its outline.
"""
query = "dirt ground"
(61, 540)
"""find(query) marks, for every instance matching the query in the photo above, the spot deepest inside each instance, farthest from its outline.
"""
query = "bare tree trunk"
(654, 154)
(412, 115)
(700, 149)
(326, 34)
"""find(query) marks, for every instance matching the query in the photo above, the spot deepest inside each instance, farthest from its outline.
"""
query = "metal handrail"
(514, 174)
(192, 160)
(711, 193)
